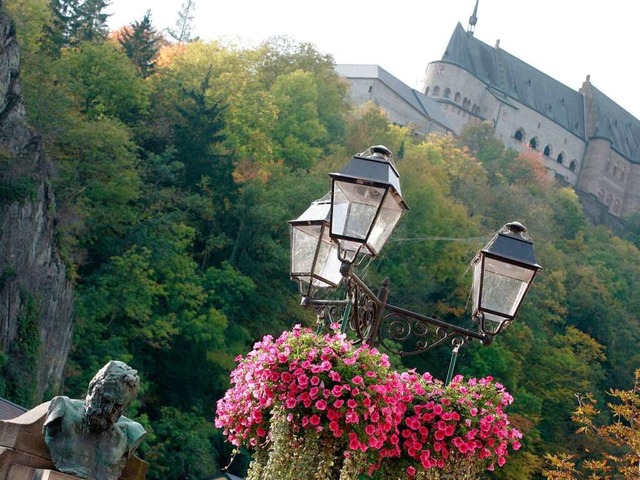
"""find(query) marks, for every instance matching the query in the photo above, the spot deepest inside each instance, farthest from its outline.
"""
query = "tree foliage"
(141, 43)
(75, 22)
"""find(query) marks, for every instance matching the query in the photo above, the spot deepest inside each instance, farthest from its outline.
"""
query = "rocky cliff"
(36, 296)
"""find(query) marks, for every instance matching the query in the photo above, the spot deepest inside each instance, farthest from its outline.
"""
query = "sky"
(566, 39)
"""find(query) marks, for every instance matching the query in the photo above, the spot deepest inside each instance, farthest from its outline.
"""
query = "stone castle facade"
(582, 137)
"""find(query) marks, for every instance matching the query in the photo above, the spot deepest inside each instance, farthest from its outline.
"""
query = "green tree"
(97, 183)
(199, 134)
(75, 22)
(184, 446)
(103, 82)
(141, 43)
(280, 56)
(299, 132)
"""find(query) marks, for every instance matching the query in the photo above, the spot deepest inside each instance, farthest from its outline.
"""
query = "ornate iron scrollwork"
(364, 311)
(397, 329)
(328, 313)
(377, 323)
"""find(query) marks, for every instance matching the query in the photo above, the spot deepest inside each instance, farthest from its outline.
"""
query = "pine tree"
(184, 23)
(142, 42)
(200, 129)
(58, 33)
(91, 21)
(76, 21)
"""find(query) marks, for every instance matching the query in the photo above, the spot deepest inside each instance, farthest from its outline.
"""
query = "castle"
(582, 137)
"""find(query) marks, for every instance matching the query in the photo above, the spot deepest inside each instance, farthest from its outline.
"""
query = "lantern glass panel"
(503, 287)
(390, 213)
(314, 258)
(354, 209)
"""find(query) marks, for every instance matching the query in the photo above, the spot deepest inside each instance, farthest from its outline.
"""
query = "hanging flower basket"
(317, 407)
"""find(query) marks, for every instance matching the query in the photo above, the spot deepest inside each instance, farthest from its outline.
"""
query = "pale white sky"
(566, 39)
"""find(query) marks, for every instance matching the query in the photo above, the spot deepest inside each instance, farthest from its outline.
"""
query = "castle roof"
(422, 103)
(518, 80)
(615, 124)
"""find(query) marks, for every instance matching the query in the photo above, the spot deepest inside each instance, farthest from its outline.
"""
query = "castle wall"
(441, 76)
(398, 110)
(560, 151)
(507, 115)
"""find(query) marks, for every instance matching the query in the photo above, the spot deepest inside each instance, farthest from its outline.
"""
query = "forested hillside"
(176, 168)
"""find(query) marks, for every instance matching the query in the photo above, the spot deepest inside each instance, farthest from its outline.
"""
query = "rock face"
(36, 297)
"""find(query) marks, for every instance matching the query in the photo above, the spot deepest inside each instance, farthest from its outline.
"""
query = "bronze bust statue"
(91, 439)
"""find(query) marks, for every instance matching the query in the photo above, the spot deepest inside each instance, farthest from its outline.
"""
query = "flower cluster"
(350, 400)
(323, 383)
(464, 420)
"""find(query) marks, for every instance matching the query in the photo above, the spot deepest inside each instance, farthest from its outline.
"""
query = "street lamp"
(366, 203)
(357, 219)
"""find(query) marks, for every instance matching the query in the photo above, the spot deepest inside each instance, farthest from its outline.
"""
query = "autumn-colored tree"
(614, 446)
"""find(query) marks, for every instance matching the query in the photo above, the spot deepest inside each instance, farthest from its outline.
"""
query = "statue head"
(110, 392)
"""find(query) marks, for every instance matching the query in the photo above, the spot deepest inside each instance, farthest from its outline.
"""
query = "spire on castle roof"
(473, 19)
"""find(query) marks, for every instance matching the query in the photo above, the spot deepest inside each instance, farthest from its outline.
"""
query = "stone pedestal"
(21, 472)
(24, 454)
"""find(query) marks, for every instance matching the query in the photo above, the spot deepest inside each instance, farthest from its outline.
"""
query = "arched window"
(560, 158)
(547, 150)
(519, 135)
(601, 195)
(426, 91)
(436, 91)
(533, 143)
(457, 97)
(447, 92)
(573, 165)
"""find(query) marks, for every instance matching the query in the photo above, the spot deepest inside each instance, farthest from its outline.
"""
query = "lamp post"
(355, 220)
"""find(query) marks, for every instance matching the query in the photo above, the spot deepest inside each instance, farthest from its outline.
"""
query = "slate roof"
(617, 125)
(518, 80)
(422, 103)
(9, 410)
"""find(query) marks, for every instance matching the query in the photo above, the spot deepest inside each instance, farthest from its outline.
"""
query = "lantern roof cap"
(318, 211)
(512, 242)
(374, 165)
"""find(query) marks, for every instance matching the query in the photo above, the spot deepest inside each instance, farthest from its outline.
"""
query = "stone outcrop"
(36, 297)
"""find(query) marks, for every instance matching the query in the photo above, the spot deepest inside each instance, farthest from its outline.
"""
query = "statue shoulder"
(63, 406)
(134, 431)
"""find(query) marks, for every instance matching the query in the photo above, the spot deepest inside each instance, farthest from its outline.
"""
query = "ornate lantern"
(366, 203)
(314, 255)
(503, 271)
